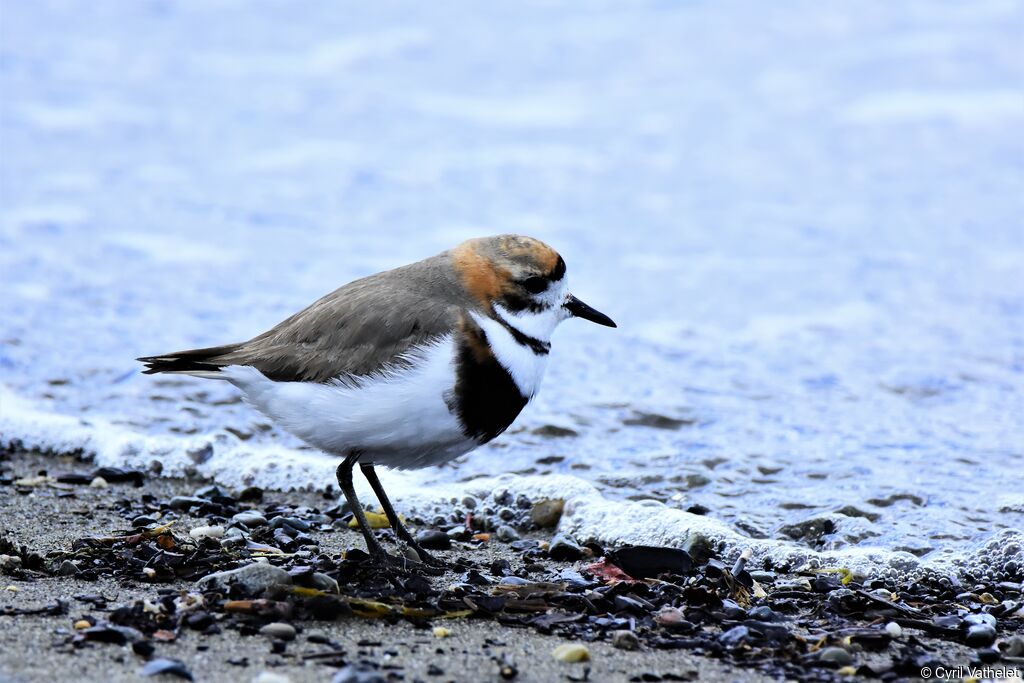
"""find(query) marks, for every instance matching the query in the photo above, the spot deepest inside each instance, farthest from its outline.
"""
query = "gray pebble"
(507, 534)
(290, 523)
(184, 502)
(836, 655)
(67, 568)
(980, 618)
(324, 583)
(625, 640)
(358, 674)
(250, 519)
(762, 613)
(279, 631)
(252, 578)
(546, 513)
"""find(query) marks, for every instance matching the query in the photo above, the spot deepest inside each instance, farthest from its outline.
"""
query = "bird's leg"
(345, 482)
(396, 523)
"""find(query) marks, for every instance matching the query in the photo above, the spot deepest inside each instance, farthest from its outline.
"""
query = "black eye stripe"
(535, 285)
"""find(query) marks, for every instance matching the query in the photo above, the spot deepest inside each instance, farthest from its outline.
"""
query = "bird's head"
(514, 276)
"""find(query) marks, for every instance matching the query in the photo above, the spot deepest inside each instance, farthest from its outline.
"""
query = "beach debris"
(377, 520)
(644, 562)
(270, 577)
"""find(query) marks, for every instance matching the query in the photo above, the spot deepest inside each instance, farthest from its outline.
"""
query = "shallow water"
(806, 221)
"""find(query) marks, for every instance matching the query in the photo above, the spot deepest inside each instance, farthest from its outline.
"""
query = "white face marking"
(539, 325)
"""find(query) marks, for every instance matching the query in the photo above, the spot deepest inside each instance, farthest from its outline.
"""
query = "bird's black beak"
(581, 310)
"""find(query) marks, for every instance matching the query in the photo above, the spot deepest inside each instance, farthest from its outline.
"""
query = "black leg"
(345, 482)
(396, 523)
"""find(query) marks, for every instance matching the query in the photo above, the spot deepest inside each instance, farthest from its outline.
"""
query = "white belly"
(398, 418)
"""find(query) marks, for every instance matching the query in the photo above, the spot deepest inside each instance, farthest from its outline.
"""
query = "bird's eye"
(535, 285)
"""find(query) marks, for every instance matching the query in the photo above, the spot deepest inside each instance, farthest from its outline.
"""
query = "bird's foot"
(423, 556)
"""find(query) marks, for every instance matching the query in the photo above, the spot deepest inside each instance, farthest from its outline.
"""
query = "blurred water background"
(806, 218)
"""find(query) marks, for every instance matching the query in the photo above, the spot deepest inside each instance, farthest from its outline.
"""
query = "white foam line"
(588, 515)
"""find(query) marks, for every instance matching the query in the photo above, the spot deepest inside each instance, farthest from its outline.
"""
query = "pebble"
(184, 502)
(249, 519)
(82, 624)
(211, 491)
(763, 613)
(163, 666)
(571, 652)
(980, 618)
(546, 513)
(271, 677)
(735, 636)
(980, 635)
(893, 629)
(459, 533)
(279, 631)
(213, 531)
(293, 523)
(564, 548)
(143, 520)
(625, 640)
(699, 547)
(441, 632)
(1014, 647)
(835, 655)
(358, 674)
(67, 568)
(252, 578)
(507, 534)
(432, 539)
(670, 616)
(324, 583)
(98, 483)
(800, 584)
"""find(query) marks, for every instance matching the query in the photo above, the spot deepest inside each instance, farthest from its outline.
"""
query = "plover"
(407, 368)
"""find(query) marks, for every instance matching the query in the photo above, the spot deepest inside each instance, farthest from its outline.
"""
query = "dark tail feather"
(195, 360)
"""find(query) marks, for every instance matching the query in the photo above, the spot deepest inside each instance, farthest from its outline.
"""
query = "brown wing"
(355, 330)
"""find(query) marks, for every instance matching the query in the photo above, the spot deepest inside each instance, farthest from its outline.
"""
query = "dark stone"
(432, 539)
(564, 548)
(980, 635)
